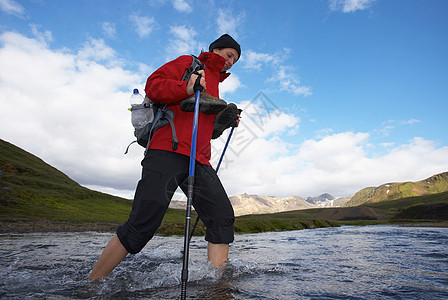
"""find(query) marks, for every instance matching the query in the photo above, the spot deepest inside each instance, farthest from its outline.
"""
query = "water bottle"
(141, 110)
(136, 98)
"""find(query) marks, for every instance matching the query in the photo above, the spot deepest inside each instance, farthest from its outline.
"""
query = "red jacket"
(165, 86)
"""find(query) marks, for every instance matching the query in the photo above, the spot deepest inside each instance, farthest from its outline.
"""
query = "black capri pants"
(163, 172)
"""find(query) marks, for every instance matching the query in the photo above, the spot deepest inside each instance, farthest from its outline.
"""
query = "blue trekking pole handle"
(184, 275)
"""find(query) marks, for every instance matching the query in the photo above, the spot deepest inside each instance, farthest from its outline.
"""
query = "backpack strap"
(173, 131)
(196, 65)
(127, 148)
(163, 116)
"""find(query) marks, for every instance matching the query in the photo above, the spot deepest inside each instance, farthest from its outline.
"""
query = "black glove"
(197, 84)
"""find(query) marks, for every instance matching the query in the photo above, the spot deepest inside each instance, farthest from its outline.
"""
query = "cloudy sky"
(337, 94)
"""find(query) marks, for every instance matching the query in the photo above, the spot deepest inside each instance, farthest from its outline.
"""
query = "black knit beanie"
(225, 41)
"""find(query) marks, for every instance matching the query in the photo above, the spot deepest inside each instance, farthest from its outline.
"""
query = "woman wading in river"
(165, 169)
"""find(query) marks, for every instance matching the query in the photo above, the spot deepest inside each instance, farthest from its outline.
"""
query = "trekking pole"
(217, 168)
(184, 276)
(224, 150)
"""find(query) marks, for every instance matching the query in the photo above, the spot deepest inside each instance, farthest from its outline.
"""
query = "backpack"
(161, 115)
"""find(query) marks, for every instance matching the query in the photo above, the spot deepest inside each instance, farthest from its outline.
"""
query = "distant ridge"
(320, 200)
(245, 204)
(391, 191)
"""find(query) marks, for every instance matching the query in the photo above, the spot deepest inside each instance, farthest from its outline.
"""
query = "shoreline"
(22, 225)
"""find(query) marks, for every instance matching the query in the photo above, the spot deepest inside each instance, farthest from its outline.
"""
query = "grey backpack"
(162, 116)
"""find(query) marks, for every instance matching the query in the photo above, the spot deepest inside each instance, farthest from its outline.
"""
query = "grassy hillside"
(392, 191)
(30, 188)
(401, 208)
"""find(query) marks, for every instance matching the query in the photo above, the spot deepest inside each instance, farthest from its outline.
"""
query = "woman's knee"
(131, 239)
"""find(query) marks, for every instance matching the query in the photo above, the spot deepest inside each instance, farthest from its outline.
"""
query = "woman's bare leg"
(112, 255)
(218, 254)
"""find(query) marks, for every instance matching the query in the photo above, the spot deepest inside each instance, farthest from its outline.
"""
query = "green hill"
(398, 190)
(34, 191)
(30, 188)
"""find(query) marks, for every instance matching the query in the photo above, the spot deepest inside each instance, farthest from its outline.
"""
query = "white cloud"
(337, 164)
(44, 37)
(97, 50)
(143, 25)
(289, 81)
(12, 7)
(182, 32)
(283, 76)
(182, 6)
(347, 6)
(231, 84)
(255, 60)
(410, 122)
(183, 42)
(109, 29)
(229, 22)
(70, 109)
(388, 126)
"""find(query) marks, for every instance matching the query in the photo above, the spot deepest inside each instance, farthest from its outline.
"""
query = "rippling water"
(370, 262)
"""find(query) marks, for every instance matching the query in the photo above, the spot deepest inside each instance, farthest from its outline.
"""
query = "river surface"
(350, 262)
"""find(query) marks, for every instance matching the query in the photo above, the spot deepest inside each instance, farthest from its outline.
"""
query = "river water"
(350, 262)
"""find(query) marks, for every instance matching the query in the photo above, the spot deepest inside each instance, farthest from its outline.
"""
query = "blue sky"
(337, 94)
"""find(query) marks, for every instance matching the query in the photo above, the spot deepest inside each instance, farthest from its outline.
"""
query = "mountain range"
(253, 204)
(327, 200)
(321, 200)
(245, 204)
